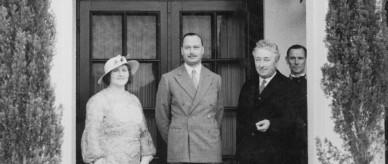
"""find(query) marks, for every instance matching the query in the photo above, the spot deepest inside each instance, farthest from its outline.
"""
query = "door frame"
(254, 10)
(84, 39)
(175, 8)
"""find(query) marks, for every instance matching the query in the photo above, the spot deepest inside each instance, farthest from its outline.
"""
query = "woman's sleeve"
(90, 142)
(146, 144)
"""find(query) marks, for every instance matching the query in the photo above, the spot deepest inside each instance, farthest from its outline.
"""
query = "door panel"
(233, 76)
(137, 30)
(106, 36)
(230, 35)
(200, 24)
(142, 36)
(222, 27)
(150, 32)
(144, 84)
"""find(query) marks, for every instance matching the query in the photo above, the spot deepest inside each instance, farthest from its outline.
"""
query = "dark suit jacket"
(300, 97)
(274, 104)
(297, 150)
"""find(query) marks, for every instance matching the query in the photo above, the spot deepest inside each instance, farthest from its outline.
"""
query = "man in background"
(296, 59)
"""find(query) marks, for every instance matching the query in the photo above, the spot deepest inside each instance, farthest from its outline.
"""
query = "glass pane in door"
(200, 24)
(96, 72)
(144, 84)
(230, 36)
(233, 77)
(106, 36)
(141, 36)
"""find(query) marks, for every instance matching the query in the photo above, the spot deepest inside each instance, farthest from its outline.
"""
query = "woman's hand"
(146, 159)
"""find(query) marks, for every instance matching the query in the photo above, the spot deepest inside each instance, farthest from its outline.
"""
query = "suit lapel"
(185, 81)
(205, 82)
(271, 86)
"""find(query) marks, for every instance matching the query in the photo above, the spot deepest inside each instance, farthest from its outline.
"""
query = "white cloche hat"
(116, 62)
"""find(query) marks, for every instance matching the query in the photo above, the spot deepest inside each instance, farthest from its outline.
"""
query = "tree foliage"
(30, 129)
(355, 76)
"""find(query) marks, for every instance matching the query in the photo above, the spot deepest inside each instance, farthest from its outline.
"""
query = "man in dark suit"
(296, 59)
(263, 117)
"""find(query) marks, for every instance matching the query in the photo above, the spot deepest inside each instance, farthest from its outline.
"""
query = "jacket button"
(259, 98)
(253, 134)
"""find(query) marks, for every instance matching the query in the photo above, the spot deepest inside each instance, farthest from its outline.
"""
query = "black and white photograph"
(193, 81)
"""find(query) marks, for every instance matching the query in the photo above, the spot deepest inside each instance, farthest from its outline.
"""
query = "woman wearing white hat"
(115, 127)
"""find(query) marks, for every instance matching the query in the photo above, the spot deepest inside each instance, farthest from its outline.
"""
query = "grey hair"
(268, 45)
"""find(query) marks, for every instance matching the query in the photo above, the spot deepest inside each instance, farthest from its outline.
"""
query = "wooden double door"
(150, 32)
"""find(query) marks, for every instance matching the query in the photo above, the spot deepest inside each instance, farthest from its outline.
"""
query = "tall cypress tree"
(30, 127)
(356, 78)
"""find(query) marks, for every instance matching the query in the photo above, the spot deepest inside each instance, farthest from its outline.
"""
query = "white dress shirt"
(190, 69)
(266, 79)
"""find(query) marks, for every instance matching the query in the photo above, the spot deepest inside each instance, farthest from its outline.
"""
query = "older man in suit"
(263, 117)
(189, 108)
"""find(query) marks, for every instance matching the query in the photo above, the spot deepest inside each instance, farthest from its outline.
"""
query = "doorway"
(150, 32)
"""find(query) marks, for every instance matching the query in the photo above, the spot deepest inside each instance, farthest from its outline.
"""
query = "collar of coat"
(205, 81)
(186, 83)
(277, 84)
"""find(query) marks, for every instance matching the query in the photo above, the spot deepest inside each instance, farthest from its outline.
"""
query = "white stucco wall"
(63, 72)
(285, 24)
(291, 22)
(320, 123)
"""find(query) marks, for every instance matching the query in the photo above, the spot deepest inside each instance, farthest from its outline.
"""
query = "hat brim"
(133, 64)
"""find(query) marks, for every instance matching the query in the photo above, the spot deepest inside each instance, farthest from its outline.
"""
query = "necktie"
(194, 77)
(262, 86)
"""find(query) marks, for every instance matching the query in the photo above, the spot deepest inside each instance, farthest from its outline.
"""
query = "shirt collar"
(267, 79)
(197, 68)
(296, 76)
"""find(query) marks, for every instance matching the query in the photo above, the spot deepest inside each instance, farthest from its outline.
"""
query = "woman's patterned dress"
(115, 130)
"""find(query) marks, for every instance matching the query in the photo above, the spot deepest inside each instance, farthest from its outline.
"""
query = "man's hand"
(146, 159)
(99, 161)
(263, 125)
